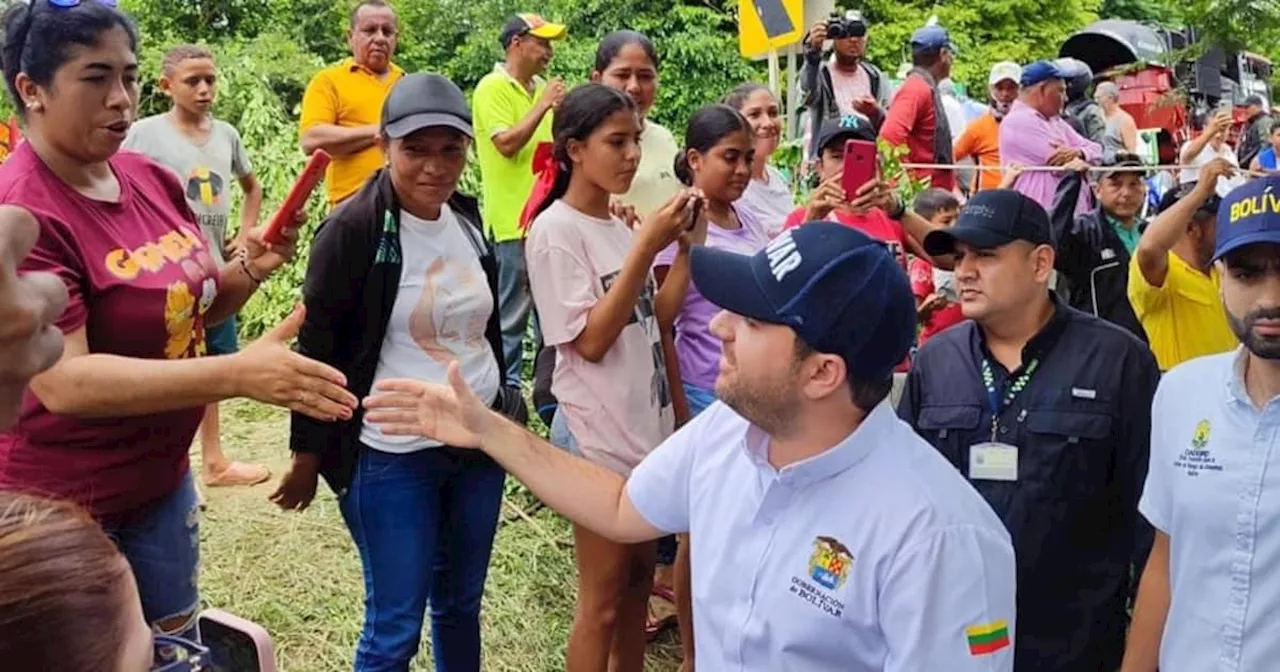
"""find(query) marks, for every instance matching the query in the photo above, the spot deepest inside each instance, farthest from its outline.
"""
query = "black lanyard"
(996, 402)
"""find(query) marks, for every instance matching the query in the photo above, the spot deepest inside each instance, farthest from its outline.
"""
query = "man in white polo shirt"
(826, 535)
(1210, 594)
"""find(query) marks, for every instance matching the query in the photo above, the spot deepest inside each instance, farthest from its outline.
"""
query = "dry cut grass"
(299, 574)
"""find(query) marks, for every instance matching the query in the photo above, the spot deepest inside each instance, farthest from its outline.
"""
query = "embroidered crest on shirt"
(987, 638)
(1197, 458)
(828, 569)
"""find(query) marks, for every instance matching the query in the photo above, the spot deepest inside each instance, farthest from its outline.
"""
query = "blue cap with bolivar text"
(840, 290)
(1249, 214)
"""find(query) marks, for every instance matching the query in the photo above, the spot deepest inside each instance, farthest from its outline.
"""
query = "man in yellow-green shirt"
(512, 109)
(1173, 286)
(343, 103)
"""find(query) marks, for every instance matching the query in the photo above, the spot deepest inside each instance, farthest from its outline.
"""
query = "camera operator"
(845, 84)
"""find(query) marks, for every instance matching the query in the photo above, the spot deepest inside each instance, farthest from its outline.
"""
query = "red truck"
(1164, 94)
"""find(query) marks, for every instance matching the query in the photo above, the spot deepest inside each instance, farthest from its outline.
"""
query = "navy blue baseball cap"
(1249, 214)
(840, 290)
(932, 38)
(1040, 71)
(847, 127)
(991, 219)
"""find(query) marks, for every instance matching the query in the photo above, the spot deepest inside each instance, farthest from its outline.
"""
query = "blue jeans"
(515, 307)
(424, 524)
(162, 545)
(222, 339)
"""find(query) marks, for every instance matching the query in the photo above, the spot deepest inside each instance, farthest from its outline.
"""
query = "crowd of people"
(1008, 425)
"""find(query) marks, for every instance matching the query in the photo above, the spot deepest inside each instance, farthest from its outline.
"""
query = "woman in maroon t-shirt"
(110, 425)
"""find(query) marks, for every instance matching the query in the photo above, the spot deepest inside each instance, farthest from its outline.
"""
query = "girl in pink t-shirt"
(597, 305)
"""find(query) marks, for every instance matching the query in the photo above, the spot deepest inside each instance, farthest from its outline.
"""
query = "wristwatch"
(899, 209)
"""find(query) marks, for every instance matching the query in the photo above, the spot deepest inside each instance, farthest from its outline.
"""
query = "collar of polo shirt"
(830, 462)
(1044, 340)
(1236, 390)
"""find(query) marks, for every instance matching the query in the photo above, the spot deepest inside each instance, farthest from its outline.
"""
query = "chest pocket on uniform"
(949, 428)
(1068, 451)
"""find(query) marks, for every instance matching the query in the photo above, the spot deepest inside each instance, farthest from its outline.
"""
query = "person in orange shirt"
(981, 140)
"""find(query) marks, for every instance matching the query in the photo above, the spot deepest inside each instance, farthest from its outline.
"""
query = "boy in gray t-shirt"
(205, 154)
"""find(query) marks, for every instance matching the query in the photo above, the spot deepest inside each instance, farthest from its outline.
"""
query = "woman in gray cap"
(401, 282)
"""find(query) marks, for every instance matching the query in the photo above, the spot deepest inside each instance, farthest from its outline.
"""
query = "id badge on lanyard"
(994, 460)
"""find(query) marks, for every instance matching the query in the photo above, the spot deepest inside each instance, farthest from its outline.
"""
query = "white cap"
(1005, 70)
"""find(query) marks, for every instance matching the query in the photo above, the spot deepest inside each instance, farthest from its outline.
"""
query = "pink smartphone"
(236, 644)
(860, 165)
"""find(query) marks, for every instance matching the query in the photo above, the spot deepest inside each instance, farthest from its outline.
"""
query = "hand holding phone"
(860, 165)
(235, 644)
(306, 183)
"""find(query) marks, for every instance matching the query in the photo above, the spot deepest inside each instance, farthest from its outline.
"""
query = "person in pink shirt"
(589, 273)
(1035, 134)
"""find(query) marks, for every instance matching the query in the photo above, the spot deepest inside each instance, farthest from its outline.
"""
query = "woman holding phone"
(591, 282)
(109, 426)
(768, 197)
(400, 283)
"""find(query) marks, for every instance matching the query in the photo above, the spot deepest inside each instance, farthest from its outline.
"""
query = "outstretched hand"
(268, 371)
(451, 414)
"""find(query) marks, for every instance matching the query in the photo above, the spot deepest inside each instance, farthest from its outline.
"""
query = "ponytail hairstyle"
(707, 127)
(737, 98)
(583, 111)
(613, 43)
(38, 39)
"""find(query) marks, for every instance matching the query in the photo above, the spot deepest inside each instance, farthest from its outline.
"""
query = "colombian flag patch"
(988, 638)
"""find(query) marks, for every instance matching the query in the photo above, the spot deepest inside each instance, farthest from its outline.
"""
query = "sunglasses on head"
(174, 654)
(67, 4)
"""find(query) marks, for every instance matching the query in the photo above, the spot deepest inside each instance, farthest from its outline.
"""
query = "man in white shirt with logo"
(826, 535)
(1210, 594)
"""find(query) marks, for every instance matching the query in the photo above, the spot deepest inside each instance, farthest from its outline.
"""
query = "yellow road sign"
(769, 25)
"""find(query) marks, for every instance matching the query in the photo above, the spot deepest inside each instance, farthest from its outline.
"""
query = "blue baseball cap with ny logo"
(1249, 214)
(840, 290)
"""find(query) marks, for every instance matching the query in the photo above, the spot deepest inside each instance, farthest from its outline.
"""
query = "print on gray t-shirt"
(206, 171)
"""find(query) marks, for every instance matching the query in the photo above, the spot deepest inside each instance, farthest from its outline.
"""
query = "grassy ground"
(299, 575)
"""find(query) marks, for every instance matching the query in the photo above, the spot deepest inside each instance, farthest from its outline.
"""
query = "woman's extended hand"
(268, 371)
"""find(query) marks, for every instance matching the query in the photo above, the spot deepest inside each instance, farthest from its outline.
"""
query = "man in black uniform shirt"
(1047, 411)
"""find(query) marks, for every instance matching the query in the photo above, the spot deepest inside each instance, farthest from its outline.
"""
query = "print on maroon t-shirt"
(141, 278)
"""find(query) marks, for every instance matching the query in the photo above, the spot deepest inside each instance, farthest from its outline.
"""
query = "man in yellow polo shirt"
(1173, 286)
(512, 110)
(343, 103)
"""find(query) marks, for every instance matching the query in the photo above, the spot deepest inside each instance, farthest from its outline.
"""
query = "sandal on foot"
(238, 473)
(662, 612)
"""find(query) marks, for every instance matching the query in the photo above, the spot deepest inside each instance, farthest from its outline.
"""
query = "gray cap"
(424, 100)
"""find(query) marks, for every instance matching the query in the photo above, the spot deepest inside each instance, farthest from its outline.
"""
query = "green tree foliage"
(986, 31)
